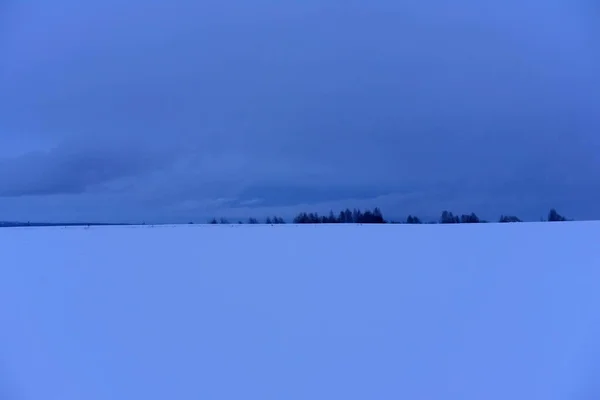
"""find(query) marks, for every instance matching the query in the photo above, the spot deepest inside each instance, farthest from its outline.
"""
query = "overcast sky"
(173, 111)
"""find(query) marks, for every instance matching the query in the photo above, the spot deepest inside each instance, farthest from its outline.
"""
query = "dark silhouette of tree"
(348, 216)
(345, 217)
(331, 219)
(371, 217)
(449, 218)
(378, 216)
(509, 218)
(302, 218)
(375, 216)
(413, 220)
(469, 219)
(554, 216)
(366, 217)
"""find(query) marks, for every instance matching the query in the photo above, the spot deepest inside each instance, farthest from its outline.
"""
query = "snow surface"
(489, 311)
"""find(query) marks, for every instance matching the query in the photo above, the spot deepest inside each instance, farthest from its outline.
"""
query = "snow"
(486, 311)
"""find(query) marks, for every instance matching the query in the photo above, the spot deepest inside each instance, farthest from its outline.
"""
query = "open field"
(483, 311)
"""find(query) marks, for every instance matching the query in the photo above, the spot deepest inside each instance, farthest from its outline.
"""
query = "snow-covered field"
(489, 311)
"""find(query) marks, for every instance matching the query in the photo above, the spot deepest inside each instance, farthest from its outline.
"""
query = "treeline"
(375, 216)
(348, 217)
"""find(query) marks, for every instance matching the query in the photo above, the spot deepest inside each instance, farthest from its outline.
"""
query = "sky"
(177, 111)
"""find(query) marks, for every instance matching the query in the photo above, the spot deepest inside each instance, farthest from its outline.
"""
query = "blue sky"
(170, 111)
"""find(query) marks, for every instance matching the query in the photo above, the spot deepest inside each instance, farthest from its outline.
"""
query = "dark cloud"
(182, 107)
(73, 169)
(282, 195)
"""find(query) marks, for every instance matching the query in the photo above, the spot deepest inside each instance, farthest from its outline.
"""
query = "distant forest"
(375, 216)
(347, 216)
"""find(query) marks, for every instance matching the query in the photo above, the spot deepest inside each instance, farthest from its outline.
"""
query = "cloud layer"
(165, 106)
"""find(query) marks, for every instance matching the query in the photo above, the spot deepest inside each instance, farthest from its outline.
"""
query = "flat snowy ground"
(490, 311)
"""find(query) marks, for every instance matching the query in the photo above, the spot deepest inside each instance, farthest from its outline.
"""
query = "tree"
(348, 216)
(413, 220)
(302, 218)
(554, 216)
(331, 219)
(509, 218)
(469, 219)
(378, 216)
(449, 218)
(214, 221)
(367, 217)
(252, 221)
